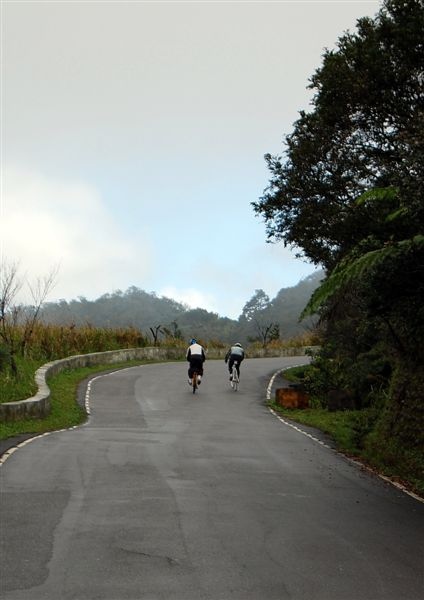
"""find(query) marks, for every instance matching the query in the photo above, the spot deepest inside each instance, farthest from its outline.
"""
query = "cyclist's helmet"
(237, 344)
(192, 341)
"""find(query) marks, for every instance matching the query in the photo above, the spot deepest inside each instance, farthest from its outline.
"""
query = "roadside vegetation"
(47, 343)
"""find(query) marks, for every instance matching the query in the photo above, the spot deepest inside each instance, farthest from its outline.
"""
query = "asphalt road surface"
(163, 495)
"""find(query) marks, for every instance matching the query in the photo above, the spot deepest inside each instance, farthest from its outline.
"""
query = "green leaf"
(377, 195)
(349, 272)
(401, 212)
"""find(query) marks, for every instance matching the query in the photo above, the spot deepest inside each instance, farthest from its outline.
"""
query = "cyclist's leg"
(199, 370)
(238, 368)
(230, 367)
(190, 373)
(196, 365)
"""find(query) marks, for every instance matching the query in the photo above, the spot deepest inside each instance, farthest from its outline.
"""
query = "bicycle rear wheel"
(235, 378)
(194, 382)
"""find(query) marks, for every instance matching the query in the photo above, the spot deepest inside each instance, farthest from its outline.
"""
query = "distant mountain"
(146, 311)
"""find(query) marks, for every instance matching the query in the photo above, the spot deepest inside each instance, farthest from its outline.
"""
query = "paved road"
(166, 496)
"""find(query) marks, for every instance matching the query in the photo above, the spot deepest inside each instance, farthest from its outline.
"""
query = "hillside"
(142, 310)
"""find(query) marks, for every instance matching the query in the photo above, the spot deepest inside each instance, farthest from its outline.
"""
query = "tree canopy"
(365, 131)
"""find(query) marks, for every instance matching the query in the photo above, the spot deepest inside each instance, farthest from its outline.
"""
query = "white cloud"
(193, 298)
(232, 277)
(46, 222)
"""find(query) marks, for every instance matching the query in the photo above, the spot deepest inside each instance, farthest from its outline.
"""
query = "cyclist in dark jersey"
(235, 353)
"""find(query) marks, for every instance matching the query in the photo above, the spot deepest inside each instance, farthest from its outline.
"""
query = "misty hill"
(144, 311)
(286, 307)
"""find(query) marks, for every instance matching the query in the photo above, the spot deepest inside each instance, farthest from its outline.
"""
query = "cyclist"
(196, 357)
(235, 353)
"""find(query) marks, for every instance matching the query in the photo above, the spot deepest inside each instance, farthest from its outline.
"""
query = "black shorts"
(234, 358)
(196, 364)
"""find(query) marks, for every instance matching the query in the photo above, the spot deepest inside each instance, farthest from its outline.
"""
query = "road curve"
(163, 495)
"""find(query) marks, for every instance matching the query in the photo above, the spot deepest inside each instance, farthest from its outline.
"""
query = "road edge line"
(7, 453)
(353, 461)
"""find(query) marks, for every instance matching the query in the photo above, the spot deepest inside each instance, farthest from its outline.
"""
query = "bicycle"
(235, 379)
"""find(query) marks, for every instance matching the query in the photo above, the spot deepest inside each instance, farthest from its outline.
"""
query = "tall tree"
(257, 303)
(365, 131)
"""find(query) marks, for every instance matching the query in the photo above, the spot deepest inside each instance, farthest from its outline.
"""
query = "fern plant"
(351, 270)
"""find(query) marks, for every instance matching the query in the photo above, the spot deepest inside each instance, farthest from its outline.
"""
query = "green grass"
(23, 386)
(65, 411)
(403, 464)
(342, 426)
(295, 374)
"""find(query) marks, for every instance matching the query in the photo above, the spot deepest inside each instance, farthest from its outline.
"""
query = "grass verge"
(295, 374)
(342, 426)
(13, 389)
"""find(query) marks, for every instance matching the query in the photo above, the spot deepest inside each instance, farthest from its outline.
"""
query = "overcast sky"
(133, 136)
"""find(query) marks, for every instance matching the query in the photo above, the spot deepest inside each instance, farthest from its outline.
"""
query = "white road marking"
(397, 485)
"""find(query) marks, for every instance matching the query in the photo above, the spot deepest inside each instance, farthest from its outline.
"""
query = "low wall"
(265, 352)
(39, 405)
(276, 352)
